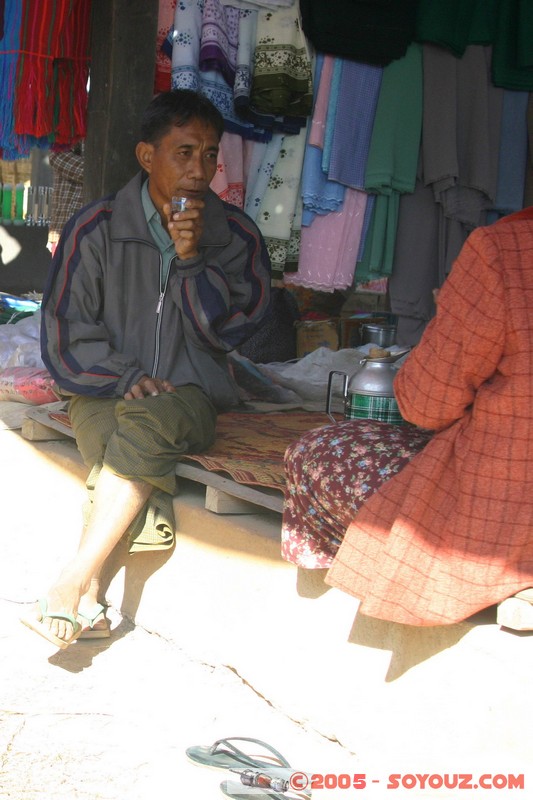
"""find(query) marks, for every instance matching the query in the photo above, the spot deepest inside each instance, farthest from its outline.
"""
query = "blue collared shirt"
(161, 238)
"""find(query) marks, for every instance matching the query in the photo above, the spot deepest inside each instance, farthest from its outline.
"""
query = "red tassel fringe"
(53, 69)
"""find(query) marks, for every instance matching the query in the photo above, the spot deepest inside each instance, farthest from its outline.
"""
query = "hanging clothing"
(282, 74)
(9, 49)
(186, 74)
(247, 35)
(506, 26)
(219, 40)
(228, 182)
(392, 159)
(456, 24)
(278, 204)
(329, 247)
(163, 65)
(528, 191)
(186, 37)
(456, 184)
(321, 89)
(512, 55)
(512, 157)
(294, 245)
(341, 119)
(54, 62)
(261, 161)
(462, 121)
(460, 145)
(15, 171)
(374, 33)
(319, 194)
(450, 534)
(333, 100)
(67, 197)
(416, 264)
(353, 121)
(257, 4)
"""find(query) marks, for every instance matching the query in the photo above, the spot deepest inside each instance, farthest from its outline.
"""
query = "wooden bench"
(224, 494)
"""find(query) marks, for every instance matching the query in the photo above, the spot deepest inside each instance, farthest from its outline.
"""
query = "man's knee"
(93, 423)
(183, 420)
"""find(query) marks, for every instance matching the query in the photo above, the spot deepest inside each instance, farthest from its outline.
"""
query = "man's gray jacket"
(107, 318)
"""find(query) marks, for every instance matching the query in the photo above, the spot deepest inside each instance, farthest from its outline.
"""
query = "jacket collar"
(128, 220)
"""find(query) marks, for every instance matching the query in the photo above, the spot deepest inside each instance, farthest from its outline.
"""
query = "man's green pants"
(142, 440)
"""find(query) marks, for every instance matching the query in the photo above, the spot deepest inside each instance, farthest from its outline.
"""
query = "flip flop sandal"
(37, 625)
(280, 790)
(225, 755)
(271, 782)
(88, 631)
(239, 792)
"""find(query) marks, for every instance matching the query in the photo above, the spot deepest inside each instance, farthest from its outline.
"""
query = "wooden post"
(123, 43)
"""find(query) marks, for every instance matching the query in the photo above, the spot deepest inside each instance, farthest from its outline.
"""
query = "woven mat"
(250, 447)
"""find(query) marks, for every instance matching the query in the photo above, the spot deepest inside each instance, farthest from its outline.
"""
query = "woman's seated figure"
(430, 522)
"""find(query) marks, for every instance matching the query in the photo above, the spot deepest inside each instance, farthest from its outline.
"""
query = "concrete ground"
(228, 640)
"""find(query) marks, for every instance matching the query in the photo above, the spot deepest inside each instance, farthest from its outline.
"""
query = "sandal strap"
(91, 620)
(43, 605)
(218, 746)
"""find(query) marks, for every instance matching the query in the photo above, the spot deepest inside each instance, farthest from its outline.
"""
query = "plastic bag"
(13, 308)
(19, 343)
(27, 385)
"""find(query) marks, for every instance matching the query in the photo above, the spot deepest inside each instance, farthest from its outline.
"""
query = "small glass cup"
(177, 204)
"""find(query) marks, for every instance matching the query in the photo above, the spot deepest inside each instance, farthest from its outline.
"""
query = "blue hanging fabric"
(9, 52)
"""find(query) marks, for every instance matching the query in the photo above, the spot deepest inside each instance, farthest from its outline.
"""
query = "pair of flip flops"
(83, 627)
(256, 770)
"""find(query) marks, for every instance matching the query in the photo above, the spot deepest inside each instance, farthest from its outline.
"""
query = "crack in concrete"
(37, 714)
(235, 671)
(11, 743)
(272, 705)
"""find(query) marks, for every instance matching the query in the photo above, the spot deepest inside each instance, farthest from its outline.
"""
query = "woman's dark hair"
(176, 108)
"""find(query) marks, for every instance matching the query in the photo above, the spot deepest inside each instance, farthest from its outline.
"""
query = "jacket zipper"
(159, 315)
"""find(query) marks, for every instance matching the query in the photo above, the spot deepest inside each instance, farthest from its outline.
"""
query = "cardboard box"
(312, 334)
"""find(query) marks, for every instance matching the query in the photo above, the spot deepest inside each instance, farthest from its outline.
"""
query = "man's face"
(183, 163)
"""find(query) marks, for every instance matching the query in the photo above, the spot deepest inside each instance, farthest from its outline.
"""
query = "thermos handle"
(345, 391)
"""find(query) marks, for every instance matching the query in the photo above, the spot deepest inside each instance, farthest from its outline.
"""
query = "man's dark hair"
(176, 108)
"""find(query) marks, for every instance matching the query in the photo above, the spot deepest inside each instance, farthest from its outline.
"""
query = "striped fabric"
(54, 61)
(9, 48)
(384, 409)
(452, 533)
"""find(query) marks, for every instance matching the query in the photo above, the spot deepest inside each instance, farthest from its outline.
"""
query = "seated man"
(452, 532)
(140, 309)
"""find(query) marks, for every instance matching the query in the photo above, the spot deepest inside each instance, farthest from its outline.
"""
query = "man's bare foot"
(59, 627)
(54, 616)
(92, 617)
(64, 596)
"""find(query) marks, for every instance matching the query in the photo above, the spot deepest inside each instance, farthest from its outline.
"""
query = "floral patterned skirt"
(330, 473)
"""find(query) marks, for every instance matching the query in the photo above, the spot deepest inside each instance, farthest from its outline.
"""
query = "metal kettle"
(369, 394)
